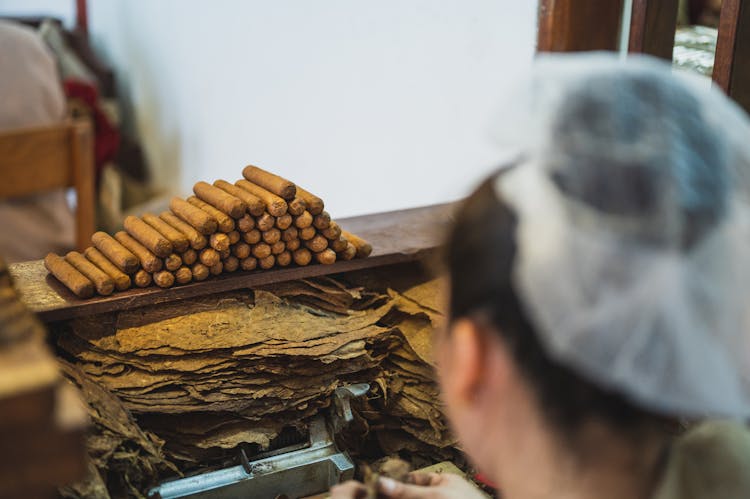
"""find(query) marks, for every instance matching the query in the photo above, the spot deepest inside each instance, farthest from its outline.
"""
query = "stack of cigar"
(259, 222)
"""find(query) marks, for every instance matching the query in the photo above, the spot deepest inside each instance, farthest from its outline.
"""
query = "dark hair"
(479, 254)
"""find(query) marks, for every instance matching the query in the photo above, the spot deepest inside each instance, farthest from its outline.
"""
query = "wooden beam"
(579, 25)
(732, 63)
(652, 27)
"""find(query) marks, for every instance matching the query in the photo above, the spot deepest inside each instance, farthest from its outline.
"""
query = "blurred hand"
(422, 486)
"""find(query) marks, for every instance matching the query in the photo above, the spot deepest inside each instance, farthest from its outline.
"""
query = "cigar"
(272, 236)
(272, 183)
(148, 236)
(284, 222)
(252, 237)
(246, 223)
(333, 231)
(197, 218)
(78, 283)
(234, 237)
(249, 263)
(120, 278)
(296, 206)
(189, 257)
(363, 247)
(103, 283)
(224, 222)
(115, 252)
(149, 261)
(142, 279)
(322, 221)
(164, 279)
(225, 253)
(261, 250)
(289, 234)
(339, 244)
(278, 247)
(302, 256)
(255, 205)
(200, 272)
(293, 244)
(307, 233)
(317, 244)
(231, 263)
(267, 262)
(326, 257)
(219, 241)
(219, 199)
(178, 240)
(275, 205)
(314, 203)
(183, 275)
(216, 269)
(284, 258)
(265, 222)
(348, 253)
(172, 262)
(241, 250)
(197, 240)
(209, 257)
(304, 220)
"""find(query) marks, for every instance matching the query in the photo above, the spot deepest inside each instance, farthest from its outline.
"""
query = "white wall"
(373, 105)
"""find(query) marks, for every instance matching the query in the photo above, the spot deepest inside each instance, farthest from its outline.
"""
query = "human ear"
(465, 345)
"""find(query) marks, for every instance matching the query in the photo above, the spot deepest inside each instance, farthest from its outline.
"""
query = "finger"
(348, 490)
(397, 490)
(425, 479)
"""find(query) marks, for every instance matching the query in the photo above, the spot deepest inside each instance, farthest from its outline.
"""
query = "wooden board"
(731, 68)
(652, 27)
(396, 237)
(578, 25)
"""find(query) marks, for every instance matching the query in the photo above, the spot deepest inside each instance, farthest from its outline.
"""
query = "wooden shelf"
(396, 237)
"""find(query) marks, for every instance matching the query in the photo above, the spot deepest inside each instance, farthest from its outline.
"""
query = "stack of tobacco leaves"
(208, 374)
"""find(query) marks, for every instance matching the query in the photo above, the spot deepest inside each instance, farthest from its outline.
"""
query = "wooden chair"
(36, 160)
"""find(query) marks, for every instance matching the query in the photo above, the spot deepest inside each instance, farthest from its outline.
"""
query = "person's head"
(592, 283)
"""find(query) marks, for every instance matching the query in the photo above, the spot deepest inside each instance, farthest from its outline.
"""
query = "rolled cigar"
(333, 231)
(164, 279)
(272, 183)
(142, 279)
(284, 258)
(278, 247)
(179, 240)
(224, 253)
(296, 206)
(120, 278)
(183, 275)
(224, 222)
(189, 257)
(307, 233)
(246, 223)
(293, 245)
(149, 261)
(349, 253)
(234, 237)
(272, 236)
(267, 262)
(252, 237)
(255, 205)
(200, 272)
(302, 256)
(326, 257)
(249, 263)
(231, 263)
(197, 218)
(275, 205)
(172, 262)
(339, 244)
(261, 250)
(317, 244)
(314, 204)
(78, 283)
(102, 282)
(265, 222)
(219, 241)
(220, 199)
(148, 236)
(216, 269)
(197, 240)
(115, 252)
(304, 220)
(322, 220)
(363, 247)
(289, 234)
(241, 250)
(284, 222)
(209, 257)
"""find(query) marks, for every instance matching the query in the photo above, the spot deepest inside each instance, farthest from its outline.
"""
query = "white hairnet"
(633, 229)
